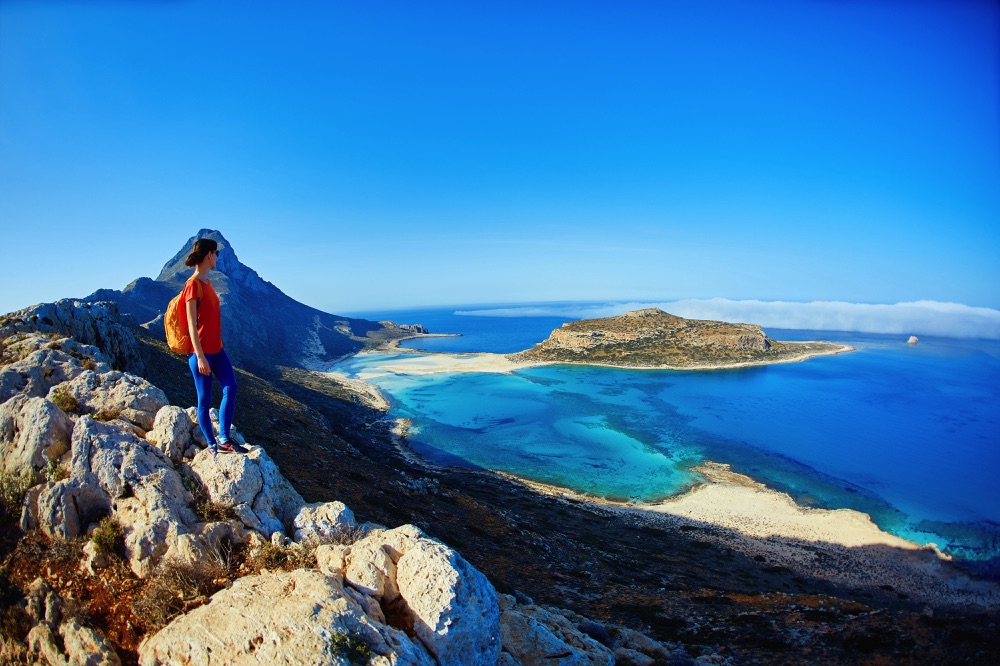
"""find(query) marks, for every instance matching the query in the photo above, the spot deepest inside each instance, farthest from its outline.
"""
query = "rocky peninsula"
(654, 339)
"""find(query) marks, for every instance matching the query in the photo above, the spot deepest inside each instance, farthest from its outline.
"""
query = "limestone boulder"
(116, 393)
(286, 618)
(171, 432)
(198, 437)
(98, 323)
(452, 607)
(229, 479)
(322, 519)
(113, 472)
(536, 635)
(252, 485)
(85, 645)
(32, 432)
(36, 374)
(278, 503)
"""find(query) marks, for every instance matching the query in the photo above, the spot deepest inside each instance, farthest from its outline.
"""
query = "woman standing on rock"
(204, 321)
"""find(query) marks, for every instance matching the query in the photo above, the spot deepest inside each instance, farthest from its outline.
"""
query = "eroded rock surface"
(283, 618)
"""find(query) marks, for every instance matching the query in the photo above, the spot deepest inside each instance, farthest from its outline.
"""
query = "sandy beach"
(843, 546)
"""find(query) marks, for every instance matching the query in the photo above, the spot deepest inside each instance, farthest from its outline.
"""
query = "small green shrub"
(65, 401)
(352, 648)
(12, 490)
(109, 537)
(55, 471)
(88, 363)
(53, 345)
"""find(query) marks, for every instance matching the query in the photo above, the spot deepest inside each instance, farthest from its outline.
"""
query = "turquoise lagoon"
(909, 434)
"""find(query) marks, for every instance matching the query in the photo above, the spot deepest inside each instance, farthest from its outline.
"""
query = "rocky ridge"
(656, 339)
(93, 443)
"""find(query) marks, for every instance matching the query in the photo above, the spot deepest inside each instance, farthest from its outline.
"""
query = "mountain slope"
(263, 328)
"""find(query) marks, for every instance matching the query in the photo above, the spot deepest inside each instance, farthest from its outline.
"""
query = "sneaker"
(232, 447)
(212, 449)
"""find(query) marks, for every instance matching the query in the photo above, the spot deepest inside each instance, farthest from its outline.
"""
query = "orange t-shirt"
(209, 317)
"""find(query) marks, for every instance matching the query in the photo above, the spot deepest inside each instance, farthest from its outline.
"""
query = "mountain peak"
(175, 272)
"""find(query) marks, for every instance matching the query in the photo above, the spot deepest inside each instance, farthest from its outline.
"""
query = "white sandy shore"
(843, 546)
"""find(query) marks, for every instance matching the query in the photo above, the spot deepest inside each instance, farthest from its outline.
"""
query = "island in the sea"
(652, 338)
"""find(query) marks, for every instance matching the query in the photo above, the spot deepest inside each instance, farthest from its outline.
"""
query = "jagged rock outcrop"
(41, 362)
(97, 323)
(115, 394)
(322, 520)
(452, 607)
(33, 432)
(535, 635)
(286, 618)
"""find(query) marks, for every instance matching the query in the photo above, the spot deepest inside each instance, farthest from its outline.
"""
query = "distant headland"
(652, 338)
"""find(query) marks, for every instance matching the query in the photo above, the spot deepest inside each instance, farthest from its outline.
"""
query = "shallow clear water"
(907, 433)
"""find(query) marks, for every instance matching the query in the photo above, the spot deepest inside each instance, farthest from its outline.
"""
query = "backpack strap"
(197, 303)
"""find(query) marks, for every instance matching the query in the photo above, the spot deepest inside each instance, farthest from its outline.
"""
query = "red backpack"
(176, 324)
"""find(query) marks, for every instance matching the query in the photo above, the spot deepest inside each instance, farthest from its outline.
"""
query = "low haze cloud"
(918, 318)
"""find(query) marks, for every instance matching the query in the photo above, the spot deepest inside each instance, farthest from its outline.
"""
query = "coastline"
(424, 362)
(843, 546)
(733, 511)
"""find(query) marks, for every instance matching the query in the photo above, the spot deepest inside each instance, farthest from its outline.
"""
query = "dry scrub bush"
(174, 588)
(105, 414)
(62, 399)
(12, 489)
(303, 555)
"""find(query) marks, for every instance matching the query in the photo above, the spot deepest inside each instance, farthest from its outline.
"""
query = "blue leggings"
(223, 371)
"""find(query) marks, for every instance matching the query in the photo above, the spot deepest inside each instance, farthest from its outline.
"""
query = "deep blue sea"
(909, 434)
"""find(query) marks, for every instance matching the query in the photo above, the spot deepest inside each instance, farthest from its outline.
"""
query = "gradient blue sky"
(366, 155)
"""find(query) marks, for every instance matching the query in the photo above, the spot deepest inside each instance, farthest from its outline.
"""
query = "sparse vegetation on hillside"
(12, 489)
(108, 538)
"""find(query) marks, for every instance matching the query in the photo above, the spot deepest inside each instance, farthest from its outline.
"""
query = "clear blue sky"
(366, 155)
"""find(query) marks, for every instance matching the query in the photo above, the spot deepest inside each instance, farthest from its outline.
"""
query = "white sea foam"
(953, 320)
